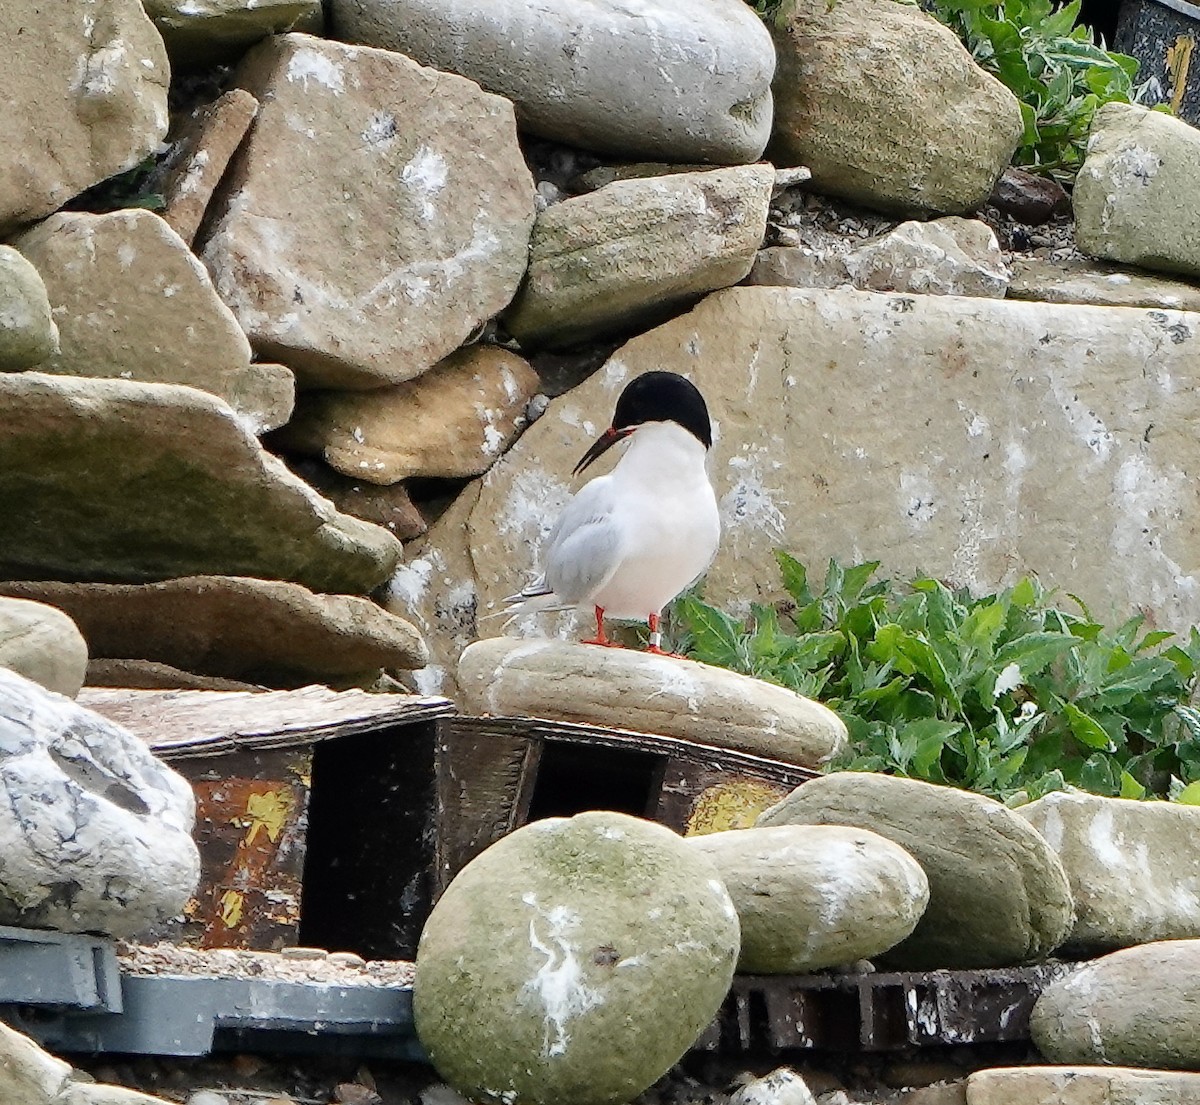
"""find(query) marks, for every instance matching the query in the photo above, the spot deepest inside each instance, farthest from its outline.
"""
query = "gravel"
(293, 965)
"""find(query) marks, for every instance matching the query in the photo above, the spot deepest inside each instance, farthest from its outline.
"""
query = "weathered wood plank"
(207, 723)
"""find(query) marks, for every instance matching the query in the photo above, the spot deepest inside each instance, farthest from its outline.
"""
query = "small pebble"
(440, 1094)
(304, 954)
(207, 1097)
(347, 959)
(354, 1093)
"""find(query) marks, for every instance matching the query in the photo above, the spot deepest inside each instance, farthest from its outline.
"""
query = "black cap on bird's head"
(654, 397)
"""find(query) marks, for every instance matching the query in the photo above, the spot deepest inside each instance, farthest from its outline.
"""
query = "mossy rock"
(574, 962)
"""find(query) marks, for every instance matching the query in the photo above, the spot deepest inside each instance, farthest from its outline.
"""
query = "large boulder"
(452, 421)
(261, 631)
(815, 896)
(132, 302)
(200, 32)
(609, 260)
(627, 689)
(27, 331)
(113, 480)
(575, 960)
(403, 239)
(1131, 865)
(42, 643)
(887, 108)
(998, 895)
(1078, 1085)
(95, 832)
(85, 95)
(652, 80)
(1136, 1007)
(928, 432)
(1135, 196)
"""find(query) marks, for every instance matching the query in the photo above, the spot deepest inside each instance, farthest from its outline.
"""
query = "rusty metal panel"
(251, 821)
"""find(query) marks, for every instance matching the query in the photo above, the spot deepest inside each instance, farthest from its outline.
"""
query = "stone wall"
(382, 267)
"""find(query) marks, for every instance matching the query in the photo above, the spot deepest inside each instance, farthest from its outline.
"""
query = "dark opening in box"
(572, 778)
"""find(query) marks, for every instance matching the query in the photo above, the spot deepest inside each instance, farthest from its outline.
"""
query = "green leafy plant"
(1000, 694)
(1056, 69)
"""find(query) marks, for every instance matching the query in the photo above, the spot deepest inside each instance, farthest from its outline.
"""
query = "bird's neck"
(663, 451)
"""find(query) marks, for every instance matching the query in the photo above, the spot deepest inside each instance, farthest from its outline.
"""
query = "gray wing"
(585, 547)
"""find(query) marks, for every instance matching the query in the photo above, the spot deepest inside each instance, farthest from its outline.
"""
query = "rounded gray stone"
(653, 79)
(1132, 867)
(28, 335)
(1135, 197)
(814, 896)
(42, 643)
(1136, 1007)
(998, 895)
(575, 960)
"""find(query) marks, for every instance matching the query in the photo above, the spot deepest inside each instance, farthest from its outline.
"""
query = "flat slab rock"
(1131, 866)
(940, 426)
(1100, 284)
(1136, 1007)
(95, 832)
(998, 895)
(404, 238)
(85, 95)
(1080, 1085)
(132, 302)
(198, 32)
(139, 482)
(42, 644)
(202, 151)
(32, 1076)
(627, 689)
(453, 421)
(261, 631)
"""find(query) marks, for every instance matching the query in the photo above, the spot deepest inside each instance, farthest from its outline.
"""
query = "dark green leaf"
(1086, 729)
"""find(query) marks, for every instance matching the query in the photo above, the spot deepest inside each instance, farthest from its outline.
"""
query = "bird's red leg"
(655, 645)
(599, 639)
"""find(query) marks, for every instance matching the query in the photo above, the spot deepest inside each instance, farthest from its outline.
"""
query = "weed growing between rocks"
(1057, 70)
(1006, 694)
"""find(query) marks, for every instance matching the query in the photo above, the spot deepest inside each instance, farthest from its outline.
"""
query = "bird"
(628, 542)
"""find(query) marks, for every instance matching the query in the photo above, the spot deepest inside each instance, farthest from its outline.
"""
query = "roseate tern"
(627, 543)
